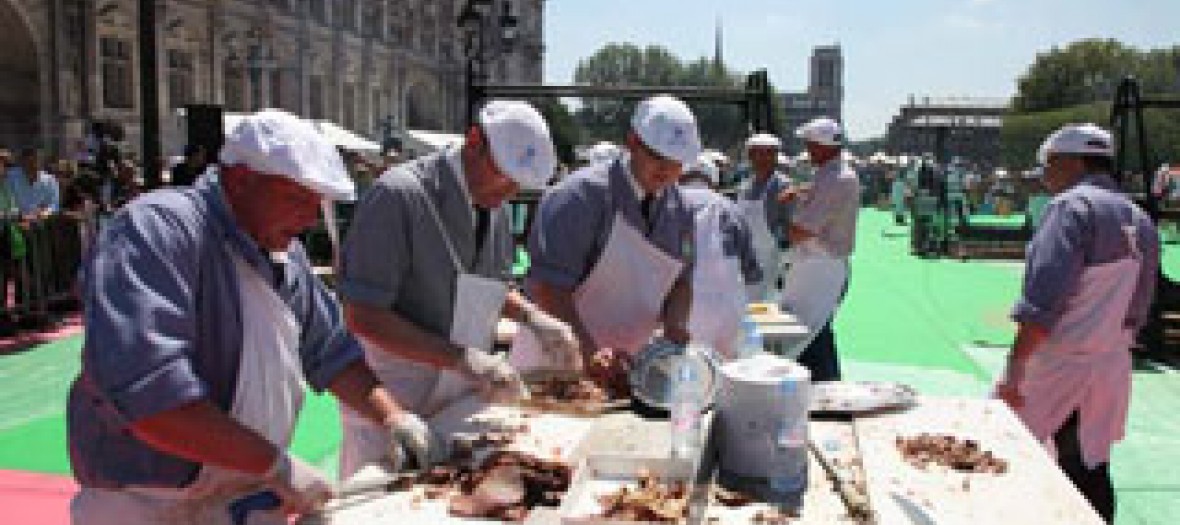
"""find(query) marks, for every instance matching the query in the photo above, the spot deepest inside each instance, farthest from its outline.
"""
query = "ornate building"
(65, 63)
(824, 96)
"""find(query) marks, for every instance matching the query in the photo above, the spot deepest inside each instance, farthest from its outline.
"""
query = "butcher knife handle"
(241, 508)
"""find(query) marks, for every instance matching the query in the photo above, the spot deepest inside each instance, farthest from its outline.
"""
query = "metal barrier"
(40, 261)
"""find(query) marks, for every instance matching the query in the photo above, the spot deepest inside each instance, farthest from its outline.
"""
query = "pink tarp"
(35, 499)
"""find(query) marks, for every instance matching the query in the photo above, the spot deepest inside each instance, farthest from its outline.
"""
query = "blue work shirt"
(574, 222)
(829, 209)
(1084, 226)
(734, 231)
(41, 194)
(778, 214)
(164, 329)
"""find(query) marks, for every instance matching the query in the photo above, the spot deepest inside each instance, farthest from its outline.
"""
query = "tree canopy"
(627, 64)
(1076, 83)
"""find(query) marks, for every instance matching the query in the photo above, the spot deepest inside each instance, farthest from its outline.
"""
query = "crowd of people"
(205, 319)
(49, 210)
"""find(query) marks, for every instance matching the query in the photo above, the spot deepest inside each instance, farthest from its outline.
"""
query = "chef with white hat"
(610, 244)
(767, 216)
(822, 233)
(425, 268)
(724, 260)
(204, 325)
(1089, 279)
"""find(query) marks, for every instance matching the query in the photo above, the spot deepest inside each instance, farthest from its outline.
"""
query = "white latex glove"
(557, 339)
(494, 378)
(410, 434)
(301, 487)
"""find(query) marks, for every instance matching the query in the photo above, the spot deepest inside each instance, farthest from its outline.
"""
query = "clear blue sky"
(892, 48)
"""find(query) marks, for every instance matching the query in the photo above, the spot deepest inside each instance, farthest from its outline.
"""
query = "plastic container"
(689, 396)
(762, 409)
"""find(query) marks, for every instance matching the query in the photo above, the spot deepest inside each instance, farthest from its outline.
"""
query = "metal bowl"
(653, 368)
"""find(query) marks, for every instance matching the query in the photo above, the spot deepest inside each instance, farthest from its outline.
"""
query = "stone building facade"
(824, 96)
(66, 63)
(964, 127)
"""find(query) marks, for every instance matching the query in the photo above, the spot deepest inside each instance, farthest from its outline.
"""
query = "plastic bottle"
(751, 339)
(688, 392)
(790, 479)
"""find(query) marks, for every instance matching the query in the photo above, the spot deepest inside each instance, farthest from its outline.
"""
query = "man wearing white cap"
(203, 324)
(767, 216)
(822, 233)
(1088, 284)
(425, 268)
(724, 260)
(610, 245)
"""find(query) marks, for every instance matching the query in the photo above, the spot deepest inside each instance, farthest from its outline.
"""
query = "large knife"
(362, 488)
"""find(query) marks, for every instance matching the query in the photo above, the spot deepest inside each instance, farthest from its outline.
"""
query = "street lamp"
(473, 21)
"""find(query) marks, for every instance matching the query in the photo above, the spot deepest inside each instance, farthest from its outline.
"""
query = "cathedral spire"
(718, 56)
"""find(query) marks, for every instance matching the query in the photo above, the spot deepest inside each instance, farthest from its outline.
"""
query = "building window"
(180, 78)
(276, 91)
(374, 15)
(319, 10)
(234, 87)
(117, 80)
(348, 14)
(348, 101)
(315, 92)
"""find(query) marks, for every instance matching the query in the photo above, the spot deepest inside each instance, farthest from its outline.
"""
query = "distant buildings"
(355, 62)
(965, 127)
(824, 96)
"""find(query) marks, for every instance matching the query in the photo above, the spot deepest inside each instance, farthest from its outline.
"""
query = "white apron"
(267, 399)
(422, 389)
(620, 302)
(1084, 364)
(812, 289)
(718, 303)
(766, 250)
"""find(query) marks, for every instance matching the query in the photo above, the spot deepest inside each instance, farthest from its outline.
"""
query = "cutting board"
(1033, 491)
(548, 436)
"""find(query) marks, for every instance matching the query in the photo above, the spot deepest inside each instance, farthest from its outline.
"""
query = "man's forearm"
(203, 433)
(394, 334)
(357, 388)
(1029, 337)
(559, 302)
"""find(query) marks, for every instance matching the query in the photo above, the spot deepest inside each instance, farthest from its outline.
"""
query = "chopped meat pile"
(732, 498)
(568, 390)
(962, 455)
(505, 487)
(651, 500)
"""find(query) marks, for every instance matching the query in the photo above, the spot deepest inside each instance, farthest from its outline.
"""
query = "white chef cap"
(666, 125)
(823, 131)
(279, 143)
(763, 140)
(520, 141)
(1077, 139)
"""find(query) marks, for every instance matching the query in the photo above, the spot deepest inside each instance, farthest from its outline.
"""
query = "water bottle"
(790, 473)
(750, 343)
(687, 402)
